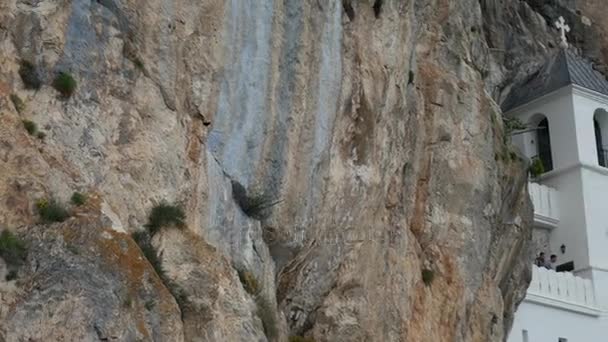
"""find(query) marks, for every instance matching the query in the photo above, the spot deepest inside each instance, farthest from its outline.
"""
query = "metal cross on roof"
(563, 28)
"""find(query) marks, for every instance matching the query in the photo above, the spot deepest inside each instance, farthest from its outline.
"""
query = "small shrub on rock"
(30, 127)
(65, 84)
(254, 205)
(138, 63)
(18, 103)
(41, 135)
(250, 283)
(513, 124)
(264, 308)
(142, 239)
(11, 275)
(428, 276)
(127, 302)
(12, 249)
(149, 305)
(78, 199)
(73, 249)
(165, 215)
(51, 211)
(29, 75)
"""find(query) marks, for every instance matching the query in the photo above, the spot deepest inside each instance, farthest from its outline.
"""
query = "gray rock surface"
(334, 150)
(84, 282)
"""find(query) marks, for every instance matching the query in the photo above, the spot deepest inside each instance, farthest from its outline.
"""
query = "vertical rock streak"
(329, 92)
(330, 73)
(242, 115)
(82, 43)
(235, 143)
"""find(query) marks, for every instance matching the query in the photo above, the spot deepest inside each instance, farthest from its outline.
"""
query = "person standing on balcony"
(540, 260)
(552, 264)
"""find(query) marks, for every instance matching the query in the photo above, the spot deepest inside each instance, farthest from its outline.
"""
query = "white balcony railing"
(546, 205)
(562, 289)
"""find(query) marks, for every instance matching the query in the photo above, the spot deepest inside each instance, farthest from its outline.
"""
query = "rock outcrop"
(343, 168)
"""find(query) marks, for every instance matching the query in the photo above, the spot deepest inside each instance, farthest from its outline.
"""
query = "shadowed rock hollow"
(328, 155)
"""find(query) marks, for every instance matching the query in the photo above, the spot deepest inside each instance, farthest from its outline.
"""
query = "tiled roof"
(562, 69)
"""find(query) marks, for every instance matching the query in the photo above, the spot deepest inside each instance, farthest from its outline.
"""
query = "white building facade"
(565, 109)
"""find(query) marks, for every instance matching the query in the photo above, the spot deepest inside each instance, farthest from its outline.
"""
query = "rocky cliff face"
(342, 166)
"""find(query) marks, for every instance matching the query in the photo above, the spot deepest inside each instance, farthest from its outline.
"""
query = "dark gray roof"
(562, 69)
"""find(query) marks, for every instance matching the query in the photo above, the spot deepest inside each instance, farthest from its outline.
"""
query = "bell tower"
(564, 107)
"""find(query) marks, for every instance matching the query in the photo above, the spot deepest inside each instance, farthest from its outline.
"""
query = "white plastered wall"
(559, 109)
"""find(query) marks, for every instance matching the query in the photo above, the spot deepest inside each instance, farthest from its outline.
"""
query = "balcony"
(562, 290)
(546, 205)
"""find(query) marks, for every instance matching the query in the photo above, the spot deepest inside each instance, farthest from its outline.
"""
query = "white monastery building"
(565, 109)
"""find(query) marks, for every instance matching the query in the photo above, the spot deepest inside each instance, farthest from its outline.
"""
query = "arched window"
(601, 154)
(543, 141)
(600, 125)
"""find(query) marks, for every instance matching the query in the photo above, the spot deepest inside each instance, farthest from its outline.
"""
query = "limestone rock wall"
(367, 132)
